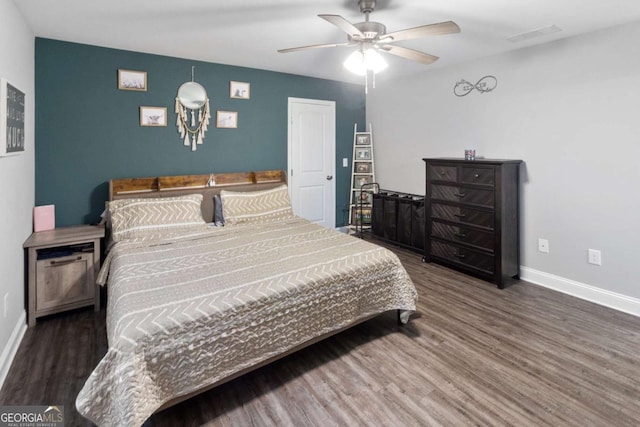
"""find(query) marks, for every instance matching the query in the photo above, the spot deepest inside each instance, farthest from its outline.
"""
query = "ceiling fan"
(371, 37)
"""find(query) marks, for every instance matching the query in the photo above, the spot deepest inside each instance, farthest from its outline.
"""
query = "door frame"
(290, 179)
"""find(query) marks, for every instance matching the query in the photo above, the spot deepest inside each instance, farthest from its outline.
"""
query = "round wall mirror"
(192, 95)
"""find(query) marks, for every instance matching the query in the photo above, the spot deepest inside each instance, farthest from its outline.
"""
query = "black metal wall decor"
(484, 85)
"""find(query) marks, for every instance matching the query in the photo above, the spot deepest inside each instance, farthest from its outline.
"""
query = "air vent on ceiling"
(549, 29)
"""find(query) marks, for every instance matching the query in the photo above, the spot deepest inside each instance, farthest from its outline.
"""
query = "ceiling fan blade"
(441, 28)
(343, 24)
(314, 46)
(411, 54)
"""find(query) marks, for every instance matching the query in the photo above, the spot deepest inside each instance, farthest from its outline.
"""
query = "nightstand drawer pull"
(68, 261)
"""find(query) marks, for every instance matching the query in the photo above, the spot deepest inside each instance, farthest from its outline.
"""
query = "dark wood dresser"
(471, 212)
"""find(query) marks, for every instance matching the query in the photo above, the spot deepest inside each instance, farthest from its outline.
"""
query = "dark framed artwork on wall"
(11, 119)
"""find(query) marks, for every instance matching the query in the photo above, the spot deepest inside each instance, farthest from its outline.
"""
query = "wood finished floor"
(473, 355)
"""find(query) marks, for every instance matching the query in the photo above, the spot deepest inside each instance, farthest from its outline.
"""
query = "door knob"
(329, 177)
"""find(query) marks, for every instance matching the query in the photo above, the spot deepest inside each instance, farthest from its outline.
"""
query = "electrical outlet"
(594, 257)
(345, 162)
(543, 245)
(6, 304)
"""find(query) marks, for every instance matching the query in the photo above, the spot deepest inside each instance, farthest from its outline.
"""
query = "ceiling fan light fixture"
(359, 63)
(355, 63)
(374, 61)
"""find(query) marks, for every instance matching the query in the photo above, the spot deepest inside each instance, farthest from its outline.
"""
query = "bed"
(192, 305)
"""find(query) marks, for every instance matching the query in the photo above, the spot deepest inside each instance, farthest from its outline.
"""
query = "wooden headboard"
(208, 185)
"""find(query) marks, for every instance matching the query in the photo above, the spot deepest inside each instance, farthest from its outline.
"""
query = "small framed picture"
(153, 116)
(363, 167)
(363, 153)
(12, 102)
(226, 119)
(362, 197)
(360, 180)
(363, 139)
(239, 90)
(132, 80)
(361, 216)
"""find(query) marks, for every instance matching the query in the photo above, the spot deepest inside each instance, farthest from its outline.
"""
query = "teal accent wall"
(88, 131)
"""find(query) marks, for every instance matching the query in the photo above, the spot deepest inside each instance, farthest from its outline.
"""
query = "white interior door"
(311, 159)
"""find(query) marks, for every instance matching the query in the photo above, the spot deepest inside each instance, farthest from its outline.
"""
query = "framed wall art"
(132, 80)
(11, 119)
(227, 119)
(153, 116)
(239, 90)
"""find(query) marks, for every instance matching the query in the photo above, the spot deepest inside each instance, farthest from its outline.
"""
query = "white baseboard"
(582, 290)
(10, 349)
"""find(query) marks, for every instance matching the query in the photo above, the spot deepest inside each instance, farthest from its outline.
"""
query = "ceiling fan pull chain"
(366, 82)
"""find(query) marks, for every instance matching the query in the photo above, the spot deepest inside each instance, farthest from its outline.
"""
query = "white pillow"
(252, 207)
(145, 217)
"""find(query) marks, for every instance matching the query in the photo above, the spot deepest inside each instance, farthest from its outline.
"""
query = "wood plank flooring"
(473, 355)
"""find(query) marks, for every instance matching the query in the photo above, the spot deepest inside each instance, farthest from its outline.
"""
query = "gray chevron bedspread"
(188, 311)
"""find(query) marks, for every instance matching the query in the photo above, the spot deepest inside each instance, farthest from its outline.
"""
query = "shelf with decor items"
(362, 181)
(62, 265)
(472, 217)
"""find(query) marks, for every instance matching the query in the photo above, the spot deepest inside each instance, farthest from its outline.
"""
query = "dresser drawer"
(464, 256)
(462, 215)
(443, 173)
(463, 195)
(482, 239)
(484, 176)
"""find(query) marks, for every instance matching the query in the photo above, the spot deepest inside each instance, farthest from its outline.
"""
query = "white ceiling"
(249, 32)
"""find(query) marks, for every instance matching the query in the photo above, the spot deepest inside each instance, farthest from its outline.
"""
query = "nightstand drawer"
(462, 214)
(443, 173)
(463, 195)
(481, 239)
(65, 280)
(483, 176)
(463, 256)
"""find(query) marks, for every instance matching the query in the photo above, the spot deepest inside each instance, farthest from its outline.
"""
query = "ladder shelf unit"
(362, 178)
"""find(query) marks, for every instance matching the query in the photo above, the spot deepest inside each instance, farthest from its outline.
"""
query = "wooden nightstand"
(63, 264)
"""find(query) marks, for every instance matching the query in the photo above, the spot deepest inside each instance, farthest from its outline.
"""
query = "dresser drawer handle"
(460, 235)
(69, 261)
(460, 215)
(460, 256)
(459, 194)
(441, 172)
(476, 176)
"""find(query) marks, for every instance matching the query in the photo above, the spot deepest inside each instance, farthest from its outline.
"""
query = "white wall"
(17, 181)
(571, 110)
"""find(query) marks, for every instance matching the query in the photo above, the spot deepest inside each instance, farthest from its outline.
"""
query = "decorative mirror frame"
(192, 98)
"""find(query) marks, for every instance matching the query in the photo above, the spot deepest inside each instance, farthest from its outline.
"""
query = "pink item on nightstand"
(44, 218)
